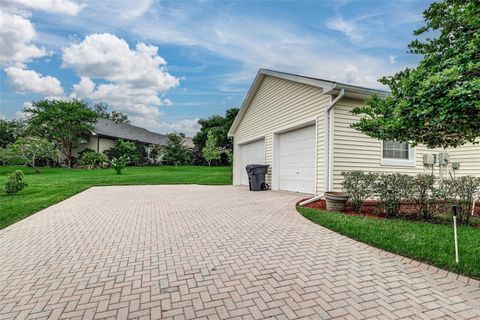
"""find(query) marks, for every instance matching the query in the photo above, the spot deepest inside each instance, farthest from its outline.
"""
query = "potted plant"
(336, 201)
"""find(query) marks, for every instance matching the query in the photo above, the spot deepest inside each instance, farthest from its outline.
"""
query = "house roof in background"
(329, 87)
(109, 128)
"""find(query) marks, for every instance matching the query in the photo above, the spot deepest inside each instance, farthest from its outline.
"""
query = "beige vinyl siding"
(354, 150)
(277, 105)
(469, 158)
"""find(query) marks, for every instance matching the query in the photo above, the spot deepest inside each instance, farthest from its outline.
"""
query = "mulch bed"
(372, 209)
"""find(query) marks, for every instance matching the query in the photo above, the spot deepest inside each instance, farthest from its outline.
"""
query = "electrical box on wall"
(429, 159)
(443, 158)
(455, 165)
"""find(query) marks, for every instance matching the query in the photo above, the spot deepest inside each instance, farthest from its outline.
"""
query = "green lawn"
(431, 243)
(55, 184)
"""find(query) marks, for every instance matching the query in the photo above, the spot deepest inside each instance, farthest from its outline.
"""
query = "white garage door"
(297, 160)
(251, 153)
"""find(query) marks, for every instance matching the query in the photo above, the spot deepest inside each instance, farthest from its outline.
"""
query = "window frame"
(410, 162)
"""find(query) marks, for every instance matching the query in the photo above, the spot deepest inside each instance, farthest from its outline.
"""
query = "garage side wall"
(469, 158)
(277, 105)
(354, 150)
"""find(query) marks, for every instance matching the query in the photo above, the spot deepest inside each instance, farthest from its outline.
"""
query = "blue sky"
(169, 63)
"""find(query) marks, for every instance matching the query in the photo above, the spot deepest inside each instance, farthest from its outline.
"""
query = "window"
(397, 154)
(395, 150)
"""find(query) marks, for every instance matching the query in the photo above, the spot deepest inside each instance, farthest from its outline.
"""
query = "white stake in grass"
(455, 212)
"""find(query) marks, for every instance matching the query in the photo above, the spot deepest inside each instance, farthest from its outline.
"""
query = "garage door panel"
(251, 153)
(297, 160)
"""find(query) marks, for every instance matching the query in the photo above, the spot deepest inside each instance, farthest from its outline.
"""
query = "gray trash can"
(256, 176)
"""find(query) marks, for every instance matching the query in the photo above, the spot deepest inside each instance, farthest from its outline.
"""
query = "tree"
(438, 102)
(174, 151)
(219, 127)
(102, 111)
(62, 122)
(9, 131)
(29, 149)
(210, 151)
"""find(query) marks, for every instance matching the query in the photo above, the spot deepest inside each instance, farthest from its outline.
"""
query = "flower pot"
(336, 201)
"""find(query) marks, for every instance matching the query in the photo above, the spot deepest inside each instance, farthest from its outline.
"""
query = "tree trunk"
(69, 153)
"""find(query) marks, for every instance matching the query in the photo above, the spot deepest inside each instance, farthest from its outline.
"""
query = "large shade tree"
(61, 122)
(438, 102)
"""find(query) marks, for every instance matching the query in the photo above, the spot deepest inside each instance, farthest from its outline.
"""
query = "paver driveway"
(207, 252)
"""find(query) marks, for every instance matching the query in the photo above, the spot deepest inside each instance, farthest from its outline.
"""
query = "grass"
(423, 241)
(53, 185)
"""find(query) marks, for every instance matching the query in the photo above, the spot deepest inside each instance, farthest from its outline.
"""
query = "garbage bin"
(256, 176)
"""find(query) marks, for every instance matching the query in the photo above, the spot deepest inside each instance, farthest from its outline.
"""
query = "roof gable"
(326, 85)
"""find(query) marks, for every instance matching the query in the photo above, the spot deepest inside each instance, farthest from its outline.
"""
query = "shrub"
(14, 183)
(391, 190)
(123, 149)
(360, 186)
(427, 198)
(119, 164)
(463, 191)
(92, 159)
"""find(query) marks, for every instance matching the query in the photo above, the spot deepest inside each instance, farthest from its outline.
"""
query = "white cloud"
(393, 59)
(2, 116)
(104, 56)
(16, 36)
(23, 81)
(52, 6)
(349, 28)
(135, 77)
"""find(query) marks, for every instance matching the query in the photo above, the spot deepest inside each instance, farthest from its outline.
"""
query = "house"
(106, 132)
(300, 126)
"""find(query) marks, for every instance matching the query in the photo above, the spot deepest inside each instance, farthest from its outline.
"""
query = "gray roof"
(109, 128)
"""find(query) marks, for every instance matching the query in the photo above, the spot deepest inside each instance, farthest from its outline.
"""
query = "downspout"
(328, 149)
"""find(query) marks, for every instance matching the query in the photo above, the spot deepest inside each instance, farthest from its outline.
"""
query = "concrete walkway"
(205, 252)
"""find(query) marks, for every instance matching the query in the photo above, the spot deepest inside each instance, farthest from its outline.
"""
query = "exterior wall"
(103, 144)
(354, 150)
(469, 158)
(278, 105)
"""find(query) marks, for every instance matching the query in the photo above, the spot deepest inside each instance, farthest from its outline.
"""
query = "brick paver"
(204, 252)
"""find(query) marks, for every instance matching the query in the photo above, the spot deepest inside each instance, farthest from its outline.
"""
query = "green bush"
(14, 183)
(92, 159)
(428, 199)
(462, 191)
(119, 164)
(360, 186)
(391, 190)
(125, 150)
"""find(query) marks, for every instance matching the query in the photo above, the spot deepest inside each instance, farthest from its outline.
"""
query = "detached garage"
(301, 127)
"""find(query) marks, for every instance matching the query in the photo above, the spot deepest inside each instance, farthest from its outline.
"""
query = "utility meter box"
(429, 159)
(455, 165)
(443, 158)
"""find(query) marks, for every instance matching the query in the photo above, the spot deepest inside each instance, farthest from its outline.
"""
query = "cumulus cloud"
(107, 57)
(135, 76)
(23, 81)
(16, 36)
(52, 6)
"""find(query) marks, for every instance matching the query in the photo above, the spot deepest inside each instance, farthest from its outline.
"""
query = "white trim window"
(397, 154)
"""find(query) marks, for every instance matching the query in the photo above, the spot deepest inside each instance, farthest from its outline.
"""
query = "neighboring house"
(106, 132)
(300, 126)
